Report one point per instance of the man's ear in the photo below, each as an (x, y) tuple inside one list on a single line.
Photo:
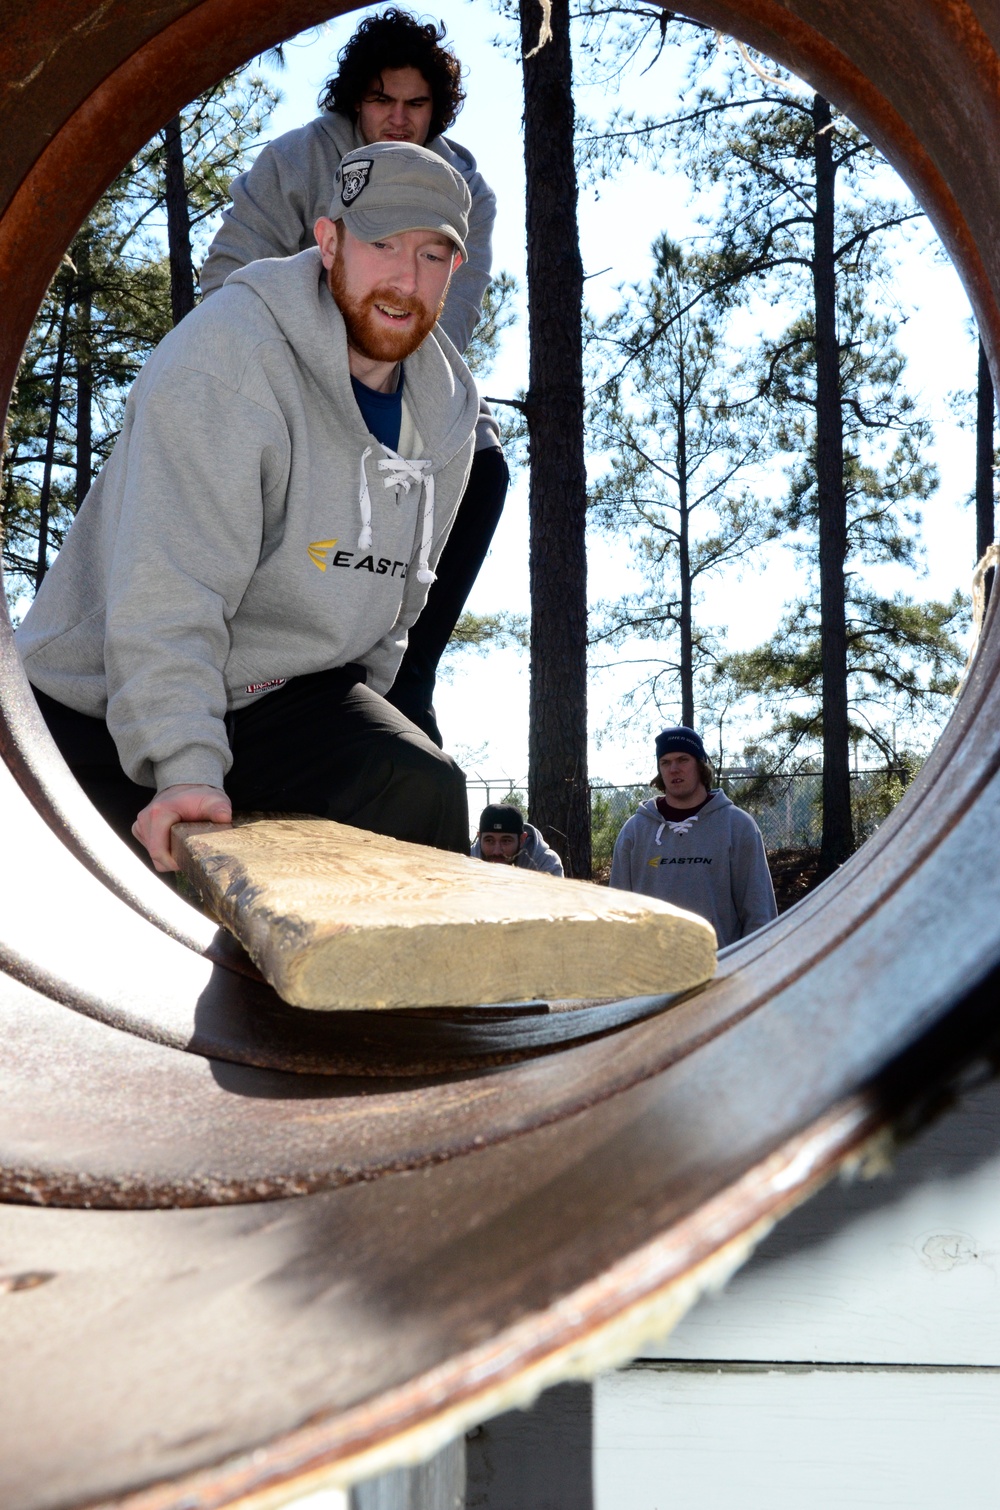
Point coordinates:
[(457, 260), (327, 233)]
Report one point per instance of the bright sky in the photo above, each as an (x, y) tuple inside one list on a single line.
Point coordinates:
[(482, 706)]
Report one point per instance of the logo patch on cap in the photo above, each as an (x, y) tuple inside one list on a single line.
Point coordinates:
[(355, 179)]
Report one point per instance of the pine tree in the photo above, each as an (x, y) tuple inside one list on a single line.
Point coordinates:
[(36, 500), (184, 172), (679, 450), (113, 299), (802, 221), (558, 790), (985, 490), (800, 211)]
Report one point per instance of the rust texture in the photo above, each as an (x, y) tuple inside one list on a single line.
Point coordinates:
[(391, 1227)]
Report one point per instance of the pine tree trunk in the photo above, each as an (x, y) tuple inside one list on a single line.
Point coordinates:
[(41, 564), (985, 497), (838, 836), (178, 223), (684, 554), (558, 790), (83, 341)]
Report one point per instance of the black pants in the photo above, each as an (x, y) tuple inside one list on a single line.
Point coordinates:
[(322, 744), (475, 524)]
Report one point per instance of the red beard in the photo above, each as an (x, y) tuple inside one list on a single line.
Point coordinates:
[(366, 332)]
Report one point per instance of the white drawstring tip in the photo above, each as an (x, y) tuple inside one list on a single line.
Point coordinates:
[(426, 575), (365, 539)]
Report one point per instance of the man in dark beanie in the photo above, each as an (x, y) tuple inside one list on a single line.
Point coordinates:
[(505, 839), (691, 846)]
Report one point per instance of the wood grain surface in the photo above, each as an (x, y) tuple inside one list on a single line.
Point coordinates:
[(336, 917)]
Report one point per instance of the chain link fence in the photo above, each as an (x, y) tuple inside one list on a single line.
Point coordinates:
[(788, 809)]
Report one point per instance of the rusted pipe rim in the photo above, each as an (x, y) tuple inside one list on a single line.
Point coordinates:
[(500, 1244)]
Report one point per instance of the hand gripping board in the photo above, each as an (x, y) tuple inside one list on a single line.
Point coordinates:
[(339, 918)]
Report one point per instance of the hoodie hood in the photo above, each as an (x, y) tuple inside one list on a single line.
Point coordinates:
[(535, 854), (440, 389), (440, 392)]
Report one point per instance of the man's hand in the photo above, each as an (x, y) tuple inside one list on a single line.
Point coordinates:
[(186, 803)]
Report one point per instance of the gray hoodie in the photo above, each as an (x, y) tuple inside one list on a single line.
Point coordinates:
[(276, 204), (712, 864), (247, 528), (534, 854)]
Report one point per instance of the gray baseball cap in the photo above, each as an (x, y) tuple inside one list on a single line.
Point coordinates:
[(389, 187)]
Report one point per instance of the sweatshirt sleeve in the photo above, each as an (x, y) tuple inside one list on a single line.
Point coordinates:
[(750, 878), (269, 217), (187, 544), (621, 860), (468, 286)]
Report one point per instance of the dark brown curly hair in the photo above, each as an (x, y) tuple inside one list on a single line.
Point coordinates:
[(395, 39)]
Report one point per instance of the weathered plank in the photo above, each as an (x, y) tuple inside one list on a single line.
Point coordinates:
[(336, 917)]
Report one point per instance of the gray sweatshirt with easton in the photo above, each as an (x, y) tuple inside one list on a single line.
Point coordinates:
[(247, 528), (712, 864), (276, 204)]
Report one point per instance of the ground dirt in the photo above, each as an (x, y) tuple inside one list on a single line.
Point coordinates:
[(794, 873)]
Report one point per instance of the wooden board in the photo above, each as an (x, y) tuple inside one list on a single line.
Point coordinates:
[(336, 917)]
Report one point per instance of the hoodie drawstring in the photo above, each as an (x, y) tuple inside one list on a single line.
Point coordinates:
[(659, 831), (365, 505), (682, 827), (402, 473)]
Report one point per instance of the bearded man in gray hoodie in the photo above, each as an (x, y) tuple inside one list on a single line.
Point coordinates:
[(396, 82), (693, 847), (234, 597)]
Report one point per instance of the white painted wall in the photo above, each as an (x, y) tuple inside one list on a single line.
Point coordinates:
[(855, 1360), (782, 1439), (902, 1269)]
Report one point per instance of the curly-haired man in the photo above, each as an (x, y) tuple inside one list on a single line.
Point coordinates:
[(389, 43), (396, 82)]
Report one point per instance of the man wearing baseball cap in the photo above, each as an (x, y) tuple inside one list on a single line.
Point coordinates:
[(233, 599), (693, 847), (397, 80), (504, 838)]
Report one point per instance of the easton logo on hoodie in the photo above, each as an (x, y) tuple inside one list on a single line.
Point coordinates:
[(381, 566), (318, 550), (679, 860)]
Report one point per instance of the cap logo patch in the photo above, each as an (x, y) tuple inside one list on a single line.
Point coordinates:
[(355, 178)]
